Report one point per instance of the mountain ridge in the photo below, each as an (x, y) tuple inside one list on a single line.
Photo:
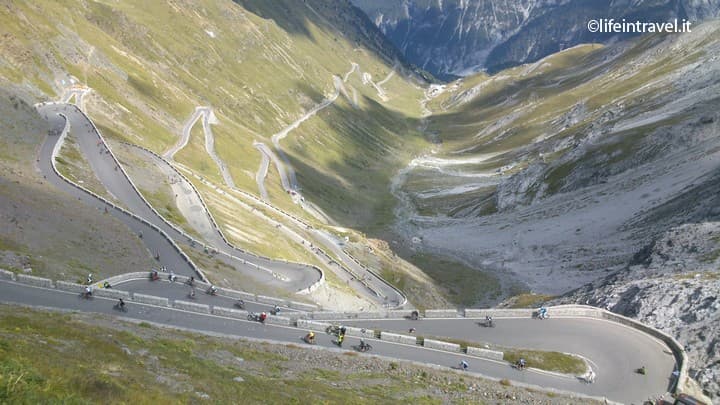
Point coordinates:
[(455, 37)]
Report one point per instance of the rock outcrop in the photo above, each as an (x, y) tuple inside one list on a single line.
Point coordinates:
[(459, 37), (673, 285)]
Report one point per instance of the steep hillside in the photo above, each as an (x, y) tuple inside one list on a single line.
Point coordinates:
[(91, 358), (260, 66), (313, 81), (553, 173), (456, 37), (43, 232), (672, 284)]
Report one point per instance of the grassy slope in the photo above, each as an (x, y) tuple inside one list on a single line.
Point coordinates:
[(43, 229), (80, 358), (73, 165), (265, 66)]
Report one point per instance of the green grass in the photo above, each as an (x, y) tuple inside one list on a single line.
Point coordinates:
[(72, 164), (549, 361), (528, 300), (50, 358), (164, 203), (543, 360), (465, 286), (77, 359)]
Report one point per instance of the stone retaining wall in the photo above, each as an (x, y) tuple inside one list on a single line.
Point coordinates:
[(138, 275), (72, 287), (348, 315), (238, 295), (575, 310), (111, 293), (485, 353), (326, 315), (230, 313), (441, 313), (294, 316), (36, 281), (499, 313), (7, 275), (359, 332), (440, 345), (191, 306), (398, 313), (151, 299), (312, 325), (277, 320), (394, 337)]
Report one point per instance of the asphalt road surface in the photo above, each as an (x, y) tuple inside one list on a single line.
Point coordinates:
[(613, 349)]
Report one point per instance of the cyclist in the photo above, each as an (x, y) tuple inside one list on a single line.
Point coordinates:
[(521, 363)]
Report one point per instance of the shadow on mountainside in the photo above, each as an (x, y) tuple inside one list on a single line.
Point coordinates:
[(288, 15), (370, 141)]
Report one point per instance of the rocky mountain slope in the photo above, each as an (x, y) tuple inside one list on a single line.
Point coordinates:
[(458, 37), (555, 173), (674, 285)]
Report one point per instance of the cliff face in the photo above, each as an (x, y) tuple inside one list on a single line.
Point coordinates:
[(458, 37), (673, 285)]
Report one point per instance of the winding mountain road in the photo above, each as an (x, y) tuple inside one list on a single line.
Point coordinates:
[(208, 118), (262, 171), (613, 350), (289, 276)]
